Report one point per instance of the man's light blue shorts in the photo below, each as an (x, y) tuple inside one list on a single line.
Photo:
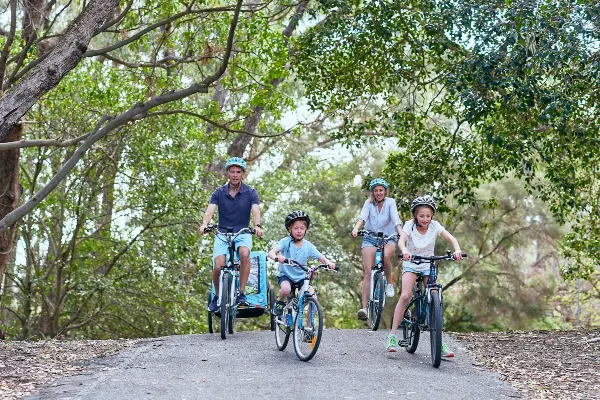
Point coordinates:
[(221, 247)]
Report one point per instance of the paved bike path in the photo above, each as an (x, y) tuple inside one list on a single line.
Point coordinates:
[(350, 364)]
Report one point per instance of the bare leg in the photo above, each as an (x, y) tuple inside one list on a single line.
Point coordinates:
[(408, 281), (216, 274), (244, 267), (284, 290), (368, 256), (390, 249)]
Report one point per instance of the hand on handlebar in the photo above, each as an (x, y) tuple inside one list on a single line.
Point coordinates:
[(204, 228), (258, 231), (458, 255), (406, 256), (331, 265), (280, 258), (354, 233)]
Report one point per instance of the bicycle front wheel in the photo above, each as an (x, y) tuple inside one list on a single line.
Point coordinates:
[(211, 317), (410, 327), (435, 328), (232, 311), (378, 301), (308, 328), (224, 304)]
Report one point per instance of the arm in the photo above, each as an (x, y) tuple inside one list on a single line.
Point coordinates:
[(256, 219), (358, 225), (452, 240), (364, 214), (208, 214), (395, 217), (273, 254), (402, 246), (323, 260)]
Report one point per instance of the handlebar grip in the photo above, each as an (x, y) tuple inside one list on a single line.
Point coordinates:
[(464, 255)]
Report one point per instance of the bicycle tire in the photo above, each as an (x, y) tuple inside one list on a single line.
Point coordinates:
[(282, 333), (435, 328), (211, 317), (271, 295), (412, 332), (224, 304), (232, 312), (307, 338), (378, 302)]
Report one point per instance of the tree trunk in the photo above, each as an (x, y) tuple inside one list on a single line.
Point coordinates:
[(10, 193), (63, 58)]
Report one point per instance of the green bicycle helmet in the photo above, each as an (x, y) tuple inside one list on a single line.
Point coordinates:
[(236, 161), (377, 182)]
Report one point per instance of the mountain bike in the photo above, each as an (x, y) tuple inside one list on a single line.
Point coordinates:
[(378, 281), (229, 283), (425, 310), (303, 315)]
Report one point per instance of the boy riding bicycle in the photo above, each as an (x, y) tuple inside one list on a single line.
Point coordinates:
[(294, 247), (235, 201), (418, 238)]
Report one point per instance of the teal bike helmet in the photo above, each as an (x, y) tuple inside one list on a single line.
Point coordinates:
[(236, 161), (377, 182)]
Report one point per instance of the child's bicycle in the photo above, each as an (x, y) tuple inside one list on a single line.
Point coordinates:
[(378, 282), (304, 315), (229, 286), (425, 310)]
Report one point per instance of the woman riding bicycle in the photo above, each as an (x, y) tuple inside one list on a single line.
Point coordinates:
[(418, 238), (379, 214)]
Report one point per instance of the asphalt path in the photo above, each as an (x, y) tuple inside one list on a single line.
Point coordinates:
[(350, 364)]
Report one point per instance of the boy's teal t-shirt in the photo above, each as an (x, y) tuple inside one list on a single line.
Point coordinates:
[(301, 254)]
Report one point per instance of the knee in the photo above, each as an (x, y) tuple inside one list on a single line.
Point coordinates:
[(244, 253), (404, 297), (284, 291)]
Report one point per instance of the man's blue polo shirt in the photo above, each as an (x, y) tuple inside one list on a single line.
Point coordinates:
[(234, 212)]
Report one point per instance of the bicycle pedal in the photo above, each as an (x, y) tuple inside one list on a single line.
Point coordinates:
[(403, 343)]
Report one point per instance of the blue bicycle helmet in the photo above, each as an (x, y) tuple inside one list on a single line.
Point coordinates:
[(377, 182), (236, 161)]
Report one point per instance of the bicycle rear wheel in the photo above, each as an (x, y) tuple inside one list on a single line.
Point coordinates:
[(308, 328), (378, 301), (282, 332), (435, 328), (224, 304), (410, 329), (211, 317)]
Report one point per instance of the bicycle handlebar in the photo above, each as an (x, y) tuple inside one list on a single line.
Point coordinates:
[(295, 263), (212, 228), (365, 232), (422, 259)]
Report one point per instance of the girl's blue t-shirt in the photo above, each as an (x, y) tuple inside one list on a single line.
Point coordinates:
[(301, 254)]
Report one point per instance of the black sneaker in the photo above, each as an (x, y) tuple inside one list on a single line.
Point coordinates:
[(278, 310), (241, 299), (212, 307)]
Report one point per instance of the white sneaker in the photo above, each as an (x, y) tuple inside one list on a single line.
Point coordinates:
[(362, 314), (389, 290)]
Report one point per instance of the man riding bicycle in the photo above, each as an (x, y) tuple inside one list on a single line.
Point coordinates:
[(235, 200)]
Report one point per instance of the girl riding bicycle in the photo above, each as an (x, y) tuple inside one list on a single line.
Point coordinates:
[(418, 238), (379, 214), (296, 248)]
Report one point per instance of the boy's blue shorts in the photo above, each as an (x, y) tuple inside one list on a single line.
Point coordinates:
[(221, 247)]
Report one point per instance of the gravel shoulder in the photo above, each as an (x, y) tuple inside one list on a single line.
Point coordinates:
[(533, 365)]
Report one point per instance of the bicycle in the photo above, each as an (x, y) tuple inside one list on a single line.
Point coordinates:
[(425, 310), (229, 284), (378, 282), (307, 336)]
